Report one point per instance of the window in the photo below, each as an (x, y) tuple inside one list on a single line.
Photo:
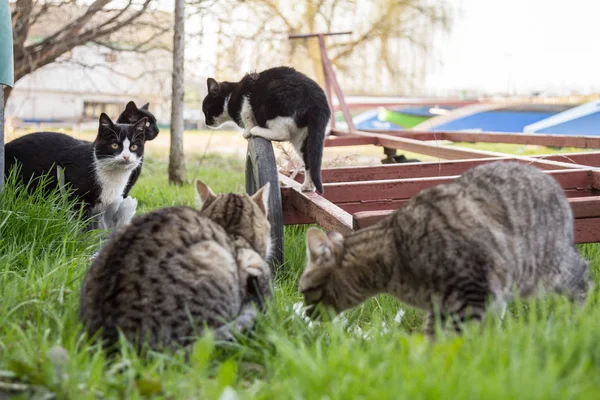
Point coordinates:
[(93, 109)]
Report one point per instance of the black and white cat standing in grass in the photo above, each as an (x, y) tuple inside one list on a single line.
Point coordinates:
[(278, 104), (97, 171)]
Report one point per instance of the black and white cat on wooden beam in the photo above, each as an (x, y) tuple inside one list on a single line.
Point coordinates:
[(278, 104)]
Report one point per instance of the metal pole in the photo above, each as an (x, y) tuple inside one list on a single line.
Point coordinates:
[(330, 78)]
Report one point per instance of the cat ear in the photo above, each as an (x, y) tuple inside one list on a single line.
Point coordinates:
[(335, 238), (317, 244), (261, 197), (105, 122), (213, 86), (140, 128), (145, 106), (131, 107), (204, 191)]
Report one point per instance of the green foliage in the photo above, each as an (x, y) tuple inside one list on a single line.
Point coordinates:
[(543, 349)]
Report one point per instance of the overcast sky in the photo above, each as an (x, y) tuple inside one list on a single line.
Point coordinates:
[(523, 45)]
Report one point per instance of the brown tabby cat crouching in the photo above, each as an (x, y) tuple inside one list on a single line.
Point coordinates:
[(500, 226), (170, 272)]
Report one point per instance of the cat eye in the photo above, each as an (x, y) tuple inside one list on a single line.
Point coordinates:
[(147, 124), (133, 147), (115, 146)]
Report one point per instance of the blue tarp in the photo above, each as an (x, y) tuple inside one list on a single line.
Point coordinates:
[(370, 120), (494, 121), (588, 125)]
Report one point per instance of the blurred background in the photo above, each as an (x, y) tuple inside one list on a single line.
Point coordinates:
[(75, 59)]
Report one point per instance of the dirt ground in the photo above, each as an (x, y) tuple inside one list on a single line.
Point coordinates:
[(198, 143)]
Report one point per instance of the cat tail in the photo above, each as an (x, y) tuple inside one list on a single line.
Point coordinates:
[(315, 139)]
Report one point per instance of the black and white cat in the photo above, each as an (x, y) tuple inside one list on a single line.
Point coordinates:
[(97, 171), (131, 115), (278, 104)]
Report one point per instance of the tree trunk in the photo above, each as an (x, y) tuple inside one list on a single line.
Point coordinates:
[(176, 156)]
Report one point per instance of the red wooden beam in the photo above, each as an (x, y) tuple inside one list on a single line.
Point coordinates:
[(335, 141), (578, 179), (291, 216), (585, 209), (311, 35), (401, 171), (404, 134), (585, 158), (586, 230), (314, 206), (421, 169), (454, 153), (584, 142)]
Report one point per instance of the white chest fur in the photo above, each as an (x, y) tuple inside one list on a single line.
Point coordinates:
[(112, 179), (112, 184), (247, 115)]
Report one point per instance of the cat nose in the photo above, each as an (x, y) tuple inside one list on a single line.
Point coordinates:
[(126, 158)]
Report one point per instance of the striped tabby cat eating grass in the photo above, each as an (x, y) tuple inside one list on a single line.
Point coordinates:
[(500, 226), (172, 271)]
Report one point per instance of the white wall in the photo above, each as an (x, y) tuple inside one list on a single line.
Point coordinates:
[(58, 91)]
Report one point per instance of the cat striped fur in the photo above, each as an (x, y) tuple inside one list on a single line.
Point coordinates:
[(172, 271), (500, 229)]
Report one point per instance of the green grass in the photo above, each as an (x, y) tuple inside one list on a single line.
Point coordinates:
[(543, 349)]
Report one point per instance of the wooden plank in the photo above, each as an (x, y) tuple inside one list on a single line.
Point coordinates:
[(585, 210), (401, 171), (363, 219), (338, 141), (291, 216), (453, 152), (424, 136), (595, 179), (587, 230), (406, 188), (583, 207), (586, 207), (316, 207), (585, 158), (404, 134), (330, 73), (584, 142), (312, 35)]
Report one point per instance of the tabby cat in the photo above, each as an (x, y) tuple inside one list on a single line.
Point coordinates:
[(163, 277), (498, 227), (279, 104)]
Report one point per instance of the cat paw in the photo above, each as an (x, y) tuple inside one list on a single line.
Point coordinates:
[(246, 133), (93, 257), (308, 187), (126, 211)]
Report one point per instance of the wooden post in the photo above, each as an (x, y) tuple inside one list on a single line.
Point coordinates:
[(330, 78), (327, 79)]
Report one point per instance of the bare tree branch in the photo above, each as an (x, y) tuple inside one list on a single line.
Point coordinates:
[(83, 28)]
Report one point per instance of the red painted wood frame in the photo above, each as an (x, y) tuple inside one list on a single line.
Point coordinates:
[(356, 197)]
